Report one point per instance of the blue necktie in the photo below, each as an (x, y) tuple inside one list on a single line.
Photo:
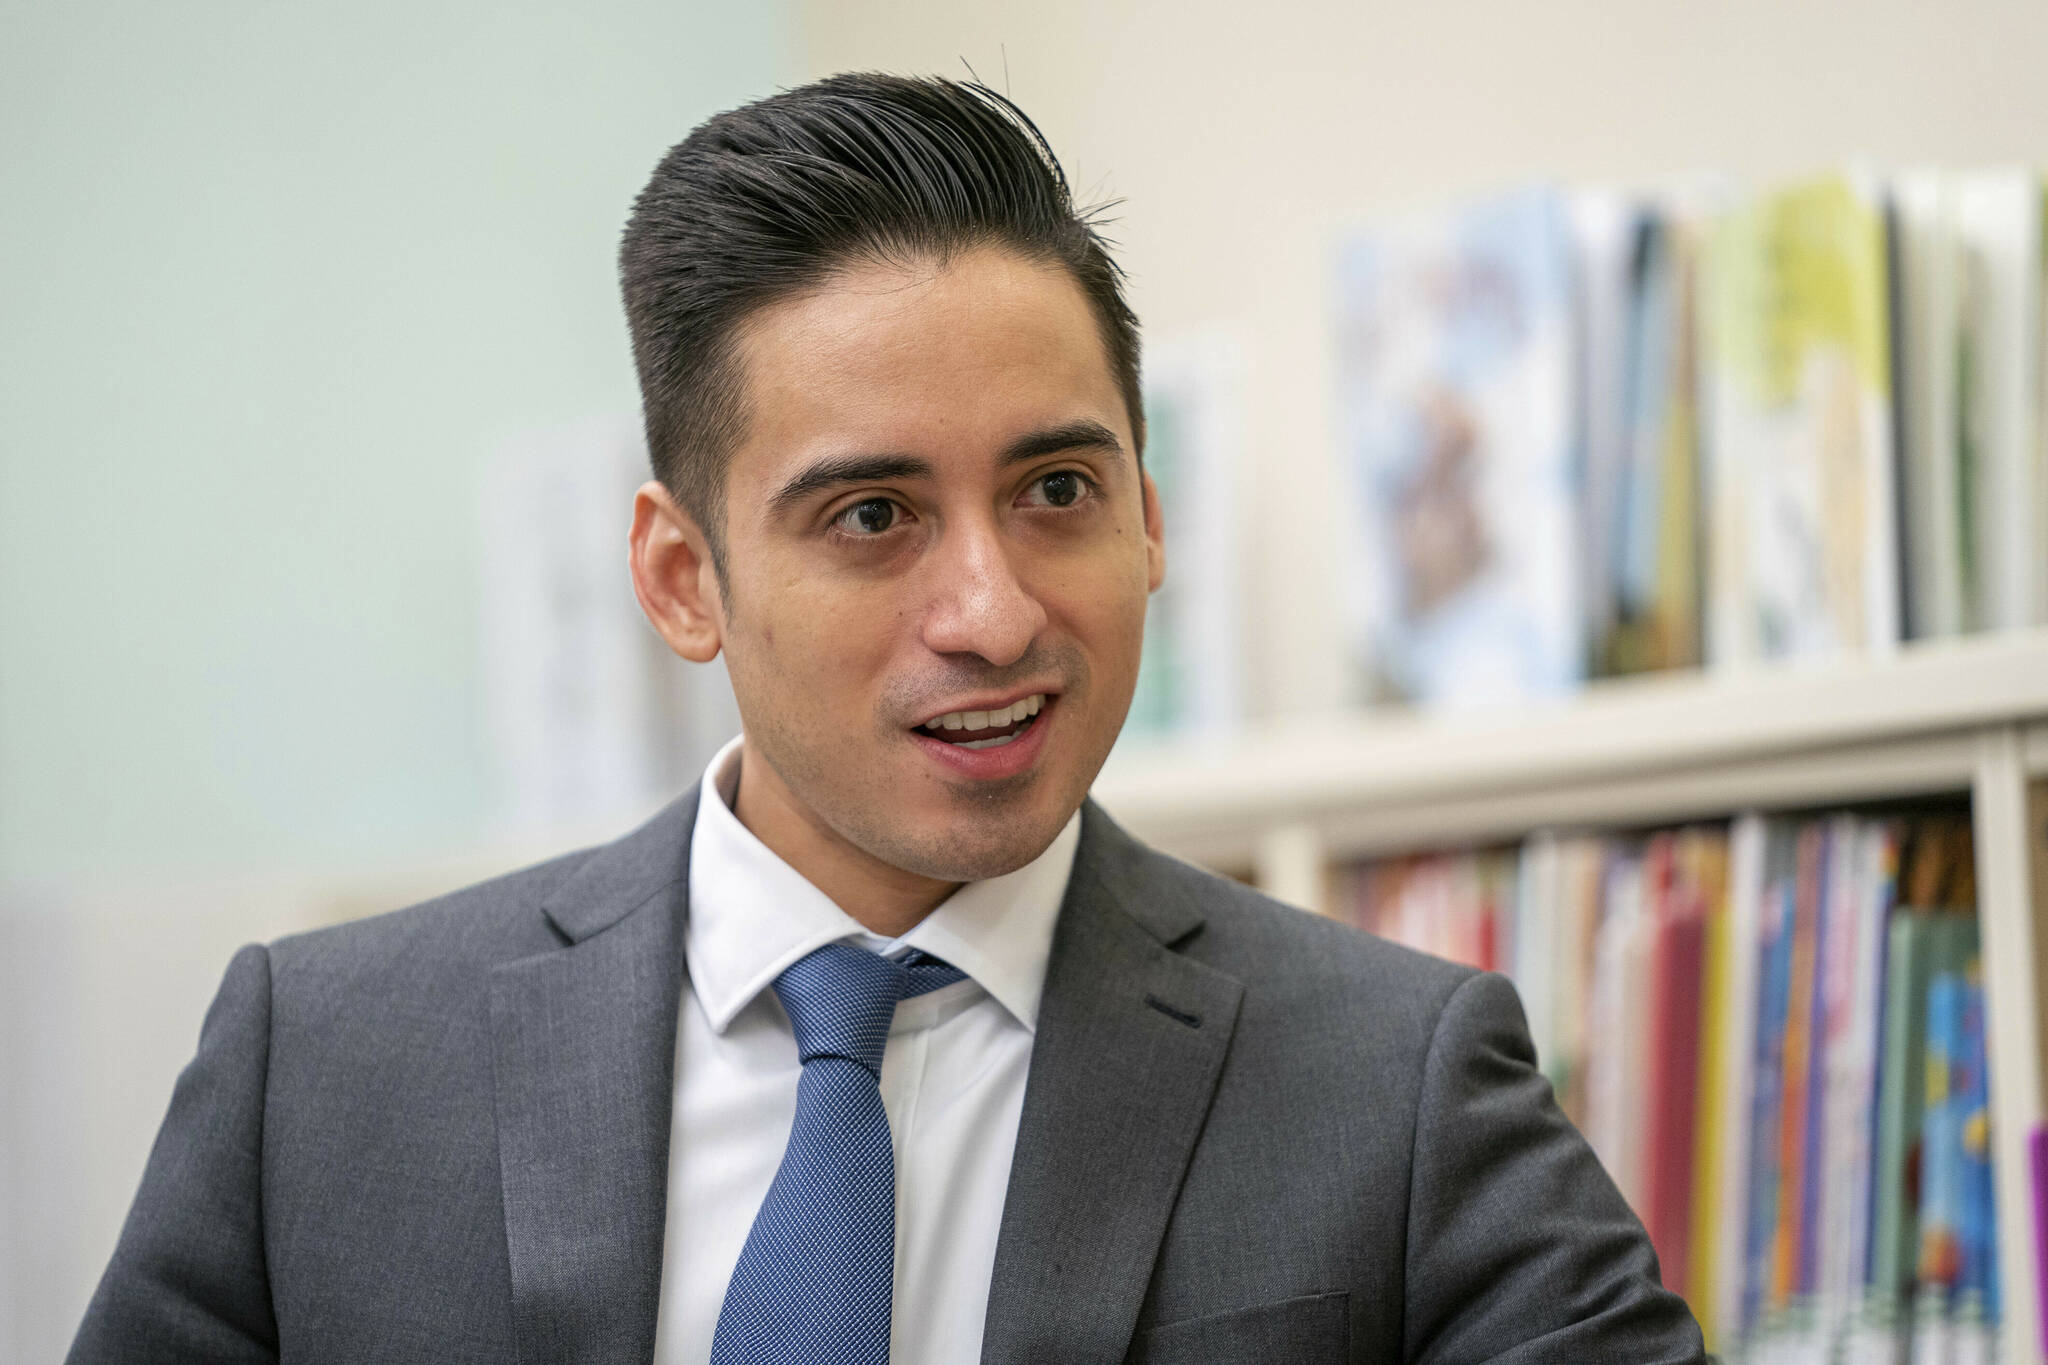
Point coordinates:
[(815, 1277)]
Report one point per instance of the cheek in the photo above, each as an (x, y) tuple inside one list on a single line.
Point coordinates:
[(1105, 604), (827, 646)]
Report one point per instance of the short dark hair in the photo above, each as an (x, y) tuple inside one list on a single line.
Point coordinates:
[(765, 201)]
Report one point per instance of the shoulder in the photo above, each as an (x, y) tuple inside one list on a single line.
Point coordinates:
[(427, 947), (517, 914)]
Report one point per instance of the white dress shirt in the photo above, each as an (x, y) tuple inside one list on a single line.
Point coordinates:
[(952, 1076)]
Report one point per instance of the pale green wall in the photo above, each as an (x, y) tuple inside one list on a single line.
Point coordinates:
[(275, 280)]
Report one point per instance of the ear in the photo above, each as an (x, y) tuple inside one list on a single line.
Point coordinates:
[(1155, 536), (673, 575)]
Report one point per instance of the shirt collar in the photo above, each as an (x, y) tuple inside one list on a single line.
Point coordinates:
[(752, 915)]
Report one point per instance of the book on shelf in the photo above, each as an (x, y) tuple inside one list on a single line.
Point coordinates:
[(1998, 221), (1955, 1276), (1591, 432), (1802, 557), (1935, 517), (1771, 1031), (1640, 430), (1455, 374), (2037, 1171)]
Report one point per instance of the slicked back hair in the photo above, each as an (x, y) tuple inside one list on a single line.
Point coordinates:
[(767, 201)]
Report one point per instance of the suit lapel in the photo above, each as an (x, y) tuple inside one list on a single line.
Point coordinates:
[(1130, 1042), (584, 1051)]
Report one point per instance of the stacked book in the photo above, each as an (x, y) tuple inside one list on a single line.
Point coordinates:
[(1593, 433), (1772, 1031)]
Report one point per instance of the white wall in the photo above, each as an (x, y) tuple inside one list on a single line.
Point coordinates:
[(1240, 136), (278, 280)]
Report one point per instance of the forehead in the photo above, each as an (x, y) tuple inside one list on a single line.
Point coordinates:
[(947, 361)]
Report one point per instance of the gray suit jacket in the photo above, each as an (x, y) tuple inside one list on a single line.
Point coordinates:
[(1249, 1134)]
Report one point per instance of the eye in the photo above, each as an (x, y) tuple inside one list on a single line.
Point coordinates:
[(1062, 487), (869, 517)]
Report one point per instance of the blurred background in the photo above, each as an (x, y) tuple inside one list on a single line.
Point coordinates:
[(1492, 349)]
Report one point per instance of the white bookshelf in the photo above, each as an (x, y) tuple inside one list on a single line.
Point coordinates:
[(1965, 717)]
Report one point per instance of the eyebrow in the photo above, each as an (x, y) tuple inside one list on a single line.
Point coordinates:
[(846, 469), (840, 470), (1075, 435)]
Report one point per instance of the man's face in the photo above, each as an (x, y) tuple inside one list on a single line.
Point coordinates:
[(937, 514)]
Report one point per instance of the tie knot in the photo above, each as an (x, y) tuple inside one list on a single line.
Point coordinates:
[(842, 998)]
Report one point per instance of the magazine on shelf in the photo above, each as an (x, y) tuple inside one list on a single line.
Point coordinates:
[(1644, 494), (1934, 519), (1604, 225), (1456, 385), (1998, 223), (1802, 554)]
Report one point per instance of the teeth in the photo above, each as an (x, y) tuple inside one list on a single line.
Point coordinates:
[(989, 720), (995, 743)]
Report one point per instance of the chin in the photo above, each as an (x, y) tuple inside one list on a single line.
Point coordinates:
[(970, 847)]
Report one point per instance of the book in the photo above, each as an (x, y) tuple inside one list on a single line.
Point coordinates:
[(2037, 1170), (1676, 952), (1618, 1016), (1924, 944), (1956, 1308), (1859, 903), (1534, 964), (1455, 381), (1726, 1176), (1651, 581), (1765, 1204), (1928, 341), (1998, 225), (1603, 226), (1803, 554), (1581, 878), (1792, 1250), (1779, 1062), (1706, 852)]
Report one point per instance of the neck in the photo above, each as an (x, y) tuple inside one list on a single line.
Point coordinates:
[(883, 898)]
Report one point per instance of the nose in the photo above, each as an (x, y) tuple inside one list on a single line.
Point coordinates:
[(980, 604)]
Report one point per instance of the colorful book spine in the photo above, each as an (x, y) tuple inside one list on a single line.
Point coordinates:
[(1712, 1138), (1729, 1318), (1782, 1067), (1956, 1309), (1774, 990), (1673, 1082), (1795, 1145), (2037, 1166)]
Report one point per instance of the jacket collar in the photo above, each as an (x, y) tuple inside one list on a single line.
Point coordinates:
[(1130, 1043), (618, 878), (583, 1062)]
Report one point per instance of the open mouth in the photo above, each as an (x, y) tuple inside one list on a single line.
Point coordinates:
[(987, 729)]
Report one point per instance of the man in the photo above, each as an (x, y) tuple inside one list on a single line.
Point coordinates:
[(884, 1043)]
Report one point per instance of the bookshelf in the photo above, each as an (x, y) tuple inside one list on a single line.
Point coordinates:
[(1962, 716)]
